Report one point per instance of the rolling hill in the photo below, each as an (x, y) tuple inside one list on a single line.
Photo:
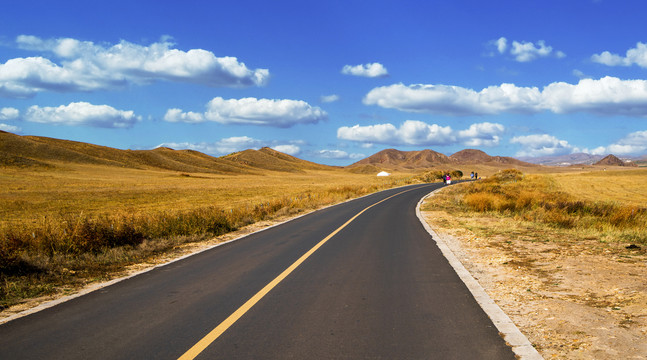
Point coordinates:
[(35, 151), (424, 159), (270, 159), (612, 160)]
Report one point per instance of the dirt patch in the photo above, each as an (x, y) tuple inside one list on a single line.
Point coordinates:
[(572, 300)]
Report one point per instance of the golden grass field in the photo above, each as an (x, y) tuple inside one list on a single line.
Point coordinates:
[(64, 226), (621, 186), (30, 194), (67, 223)]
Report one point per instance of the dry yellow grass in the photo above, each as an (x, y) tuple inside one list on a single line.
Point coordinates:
[(563, 254), (94, 190), (622, 186), (64, 225)]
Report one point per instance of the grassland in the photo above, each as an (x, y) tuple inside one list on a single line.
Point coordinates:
[(609, 206), (61, 227), (564, 255)]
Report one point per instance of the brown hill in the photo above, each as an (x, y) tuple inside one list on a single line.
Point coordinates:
[(270, 159), (472, 156), (394, 159), (30, 151), (612, 160)]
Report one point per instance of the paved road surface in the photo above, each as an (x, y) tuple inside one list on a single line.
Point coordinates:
[(377, 289)]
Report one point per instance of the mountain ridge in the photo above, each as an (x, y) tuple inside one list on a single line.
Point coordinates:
[(397, 159)]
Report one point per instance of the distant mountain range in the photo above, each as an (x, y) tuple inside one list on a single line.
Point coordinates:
[(574, 159), (35, 151), (407, 160)]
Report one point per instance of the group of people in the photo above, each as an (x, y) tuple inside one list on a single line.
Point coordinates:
[(447, 179)]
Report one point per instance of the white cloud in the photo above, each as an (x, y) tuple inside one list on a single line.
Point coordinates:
[(606, 96), (177, 115), (542, 145), (455, 100), (86, 66), (525, 51), (411, 132), (501, 44), (333, 154), (483, 134), (367, 70), (233, 144), (633, 144), (338, 155), (637, 55), (329, 98), (10, 128), (82, 113), (221, 147), (289, 149), (9, 113), (252, 111)]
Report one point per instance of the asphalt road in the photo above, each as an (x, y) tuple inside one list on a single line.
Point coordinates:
[(379, 288)]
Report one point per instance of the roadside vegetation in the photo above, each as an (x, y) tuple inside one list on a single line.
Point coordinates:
[(541, 200), (563, 254), (61, 229)]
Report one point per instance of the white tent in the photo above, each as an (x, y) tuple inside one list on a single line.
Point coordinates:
[(383, 173)]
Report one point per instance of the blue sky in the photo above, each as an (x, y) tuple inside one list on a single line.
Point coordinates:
[(331, 82)]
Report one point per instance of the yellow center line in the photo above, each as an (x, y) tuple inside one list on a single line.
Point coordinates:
[(228, 322)]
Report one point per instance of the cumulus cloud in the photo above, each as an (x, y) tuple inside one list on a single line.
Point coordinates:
[(329, 98), (10, 128), (542, 145), (177, 115), (82, 113), (251, 111), (338, 154), (86, 66), (411, 132), (9, 113), (267, 112), (524, 51), (455, 100), (501, 44), (606, 96), (637, 55), (233, 144), (289, 149), (221, 147), (366, 70), (483, 134), (633, 144)]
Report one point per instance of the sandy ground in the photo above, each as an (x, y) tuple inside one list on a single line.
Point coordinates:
[(572, 301)]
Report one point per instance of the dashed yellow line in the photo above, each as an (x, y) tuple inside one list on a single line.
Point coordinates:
[(229, 321)]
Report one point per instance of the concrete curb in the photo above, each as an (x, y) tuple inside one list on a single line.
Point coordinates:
[(520, 345)]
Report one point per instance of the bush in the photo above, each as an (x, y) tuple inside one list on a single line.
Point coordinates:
[(533, 198)]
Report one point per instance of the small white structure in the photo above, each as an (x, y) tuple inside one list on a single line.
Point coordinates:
[(383, 173)]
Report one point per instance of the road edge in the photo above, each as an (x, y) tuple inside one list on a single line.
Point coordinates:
[(519, 343)]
